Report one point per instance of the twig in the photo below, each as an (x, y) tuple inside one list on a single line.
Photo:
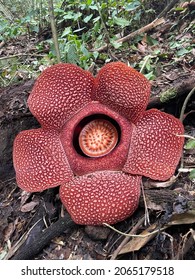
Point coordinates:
[(144, 29), (54, 31), (30, 250), (168, 8), (185, 104), (21, 54), (103, 23), (187, 244), (171, 241), (185, 170), (134, 235), (181, 119), (147, 218), (126, 239), (186, 136)]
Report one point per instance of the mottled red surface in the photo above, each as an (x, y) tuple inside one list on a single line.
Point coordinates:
[(105, 189)]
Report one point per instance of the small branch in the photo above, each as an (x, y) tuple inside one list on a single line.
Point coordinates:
[(144, 29), (127, 238), (21, 54), (30, 250), (147, 217), (185, 104), (181, 119), (135, 235), (179, 89), (168, 8), (54, 32), (188, 242), (103, 23)]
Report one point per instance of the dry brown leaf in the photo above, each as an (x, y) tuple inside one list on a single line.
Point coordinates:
[(10, 229), (137, 243), (193, 233), (156, 184), (29, 206), (24, 196), (183, 218), (142, 47)]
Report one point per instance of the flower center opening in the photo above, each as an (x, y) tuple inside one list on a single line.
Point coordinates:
[(98, 138)]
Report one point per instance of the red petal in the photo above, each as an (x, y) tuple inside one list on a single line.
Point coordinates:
[(101, 197), (123, 89), (39, 160), (58, 93), (155, 148)]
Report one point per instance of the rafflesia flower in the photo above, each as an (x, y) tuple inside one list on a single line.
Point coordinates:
[(96, 141)]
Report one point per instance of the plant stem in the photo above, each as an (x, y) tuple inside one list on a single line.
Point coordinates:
[(54, 31), (103, 23), (185, 104), (181, 119)]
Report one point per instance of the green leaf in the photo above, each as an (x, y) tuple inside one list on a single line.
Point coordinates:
[(84, 51), (89, 2), (66, 31), (192, 174), (152, 41), (87, 18), (174, 45), (182, 51), (95, 54), (71, 15), (121, 21), (72, 55), (190, 144), (115, 44), (150, 76), (79, 30), (96, 19), (132, 6)]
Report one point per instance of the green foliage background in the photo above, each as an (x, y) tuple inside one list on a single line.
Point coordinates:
[(83, 27)]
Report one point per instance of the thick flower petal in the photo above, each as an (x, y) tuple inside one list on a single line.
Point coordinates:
[(58, 93), (123, 89), (155, 147), (39, 160), (101, 197)]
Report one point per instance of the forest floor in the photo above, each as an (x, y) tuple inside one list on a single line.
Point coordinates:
[(170, 205)]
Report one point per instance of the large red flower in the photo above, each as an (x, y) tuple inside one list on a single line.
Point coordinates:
[(96, 141)]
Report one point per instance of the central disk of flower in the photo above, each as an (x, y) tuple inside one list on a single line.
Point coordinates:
[(98, 138)]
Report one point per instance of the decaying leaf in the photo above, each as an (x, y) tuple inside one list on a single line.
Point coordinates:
[(183, 218), (136, 243), (29, 206)]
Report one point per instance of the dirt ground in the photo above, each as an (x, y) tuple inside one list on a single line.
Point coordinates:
[(170, 211)]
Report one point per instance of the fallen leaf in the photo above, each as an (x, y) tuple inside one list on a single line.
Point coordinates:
[(29, 206), (136, 243), (139, 241), (183, 218), (24, 196)]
